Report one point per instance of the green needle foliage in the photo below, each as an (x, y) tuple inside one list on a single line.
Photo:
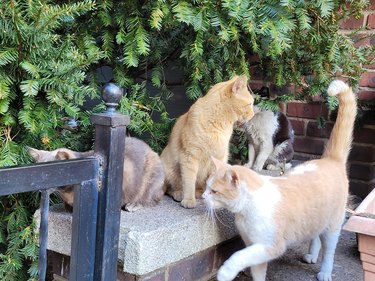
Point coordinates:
[(296, 42), (50, 53), (42, 81)]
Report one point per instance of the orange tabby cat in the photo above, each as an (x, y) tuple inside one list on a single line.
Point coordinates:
[(308, 202), (203, 131)]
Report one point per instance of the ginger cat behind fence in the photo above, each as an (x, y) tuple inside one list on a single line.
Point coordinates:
[(143, 173), (203, 131), (308, 202)]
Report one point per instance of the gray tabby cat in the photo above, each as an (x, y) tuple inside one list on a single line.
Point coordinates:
[(143, 173), (270, 137)]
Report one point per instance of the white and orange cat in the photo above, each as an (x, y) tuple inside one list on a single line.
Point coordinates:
[(307, 203), (203, 131)]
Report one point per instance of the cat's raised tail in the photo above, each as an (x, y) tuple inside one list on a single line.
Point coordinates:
[(339, 143)]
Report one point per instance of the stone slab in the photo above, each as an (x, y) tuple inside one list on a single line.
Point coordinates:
[(153, 237)]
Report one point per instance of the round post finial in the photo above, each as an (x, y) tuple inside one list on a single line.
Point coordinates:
[(111, 95)]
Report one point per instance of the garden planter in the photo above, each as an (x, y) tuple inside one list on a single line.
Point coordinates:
[(363, 223)]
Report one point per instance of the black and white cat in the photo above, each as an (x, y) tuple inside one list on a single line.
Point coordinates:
[(270, 136)]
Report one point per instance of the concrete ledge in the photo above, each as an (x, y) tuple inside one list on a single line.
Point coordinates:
[(152, 238)]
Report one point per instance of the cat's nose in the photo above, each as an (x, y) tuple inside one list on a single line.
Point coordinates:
[(204, 195)]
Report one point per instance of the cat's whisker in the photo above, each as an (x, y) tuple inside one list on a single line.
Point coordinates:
[(218, 219), (210, 217), (206, 217)]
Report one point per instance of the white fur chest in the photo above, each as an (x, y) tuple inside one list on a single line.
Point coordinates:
[(262, 125), (255, 222)]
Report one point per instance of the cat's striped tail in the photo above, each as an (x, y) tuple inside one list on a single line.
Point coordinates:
[(339, 143)]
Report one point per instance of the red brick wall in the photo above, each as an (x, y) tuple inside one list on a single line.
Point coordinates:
[(310, 140)]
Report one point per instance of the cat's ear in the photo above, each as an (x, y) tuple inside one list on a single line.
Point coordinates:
[(63, 155), (217, 162), (239, 84), (34, 153), (232, 177)]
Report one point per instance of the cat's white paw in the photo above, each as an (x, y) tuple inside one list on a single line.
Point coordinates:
[(308, 258), (257, 168), (324, 276), (189, 203), (225, 273), (288, 166), (132, 207), (248, 165), (272, 167)]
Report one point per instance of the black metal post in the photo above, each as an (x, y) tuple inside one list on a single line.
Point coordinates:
[(110, 128), (85, 208)]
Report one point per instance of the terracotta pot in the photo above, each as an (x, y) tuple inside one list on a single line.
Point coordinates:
[(363, 223)]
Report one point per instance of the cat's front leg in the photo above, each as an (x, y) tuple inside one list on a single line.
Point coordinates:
[(258, 272), (314, 249), (281, 154), (251, 153), (132, 207), (329, 241), (177, 195), (255, 255), (189, 171), (265, 150)]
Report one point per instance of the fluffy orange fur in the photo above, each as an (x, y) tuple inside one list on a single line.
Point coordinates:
[(203, 131), (308, 202)]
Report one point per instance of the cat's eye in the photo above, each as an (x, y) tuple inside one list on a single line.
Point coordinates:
[(213, 191)]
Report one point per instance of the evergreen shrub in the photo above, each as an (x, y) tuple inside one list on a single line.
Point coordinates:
[(51, 50)]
